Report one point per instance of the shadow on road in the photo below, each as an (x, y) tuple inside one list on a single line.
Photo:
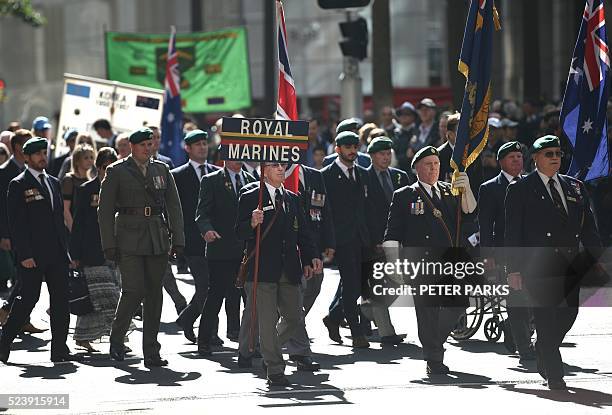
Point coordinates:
[(54, 372), (580, 396)]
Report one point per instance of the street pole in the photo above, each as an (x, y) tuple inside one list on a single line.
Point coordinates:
[(270, 61), (350, 86)]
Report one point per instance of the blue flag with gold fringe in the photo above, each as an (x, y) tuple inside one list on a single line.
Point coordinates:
[(475, 65)]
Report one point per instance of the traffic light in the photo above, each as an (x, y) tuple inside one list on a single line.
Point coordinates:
[(355, 42), (342, 4), (2, 86)]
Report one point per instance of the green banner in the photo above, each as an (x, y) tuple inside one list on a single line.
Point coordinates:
[(214, 66)]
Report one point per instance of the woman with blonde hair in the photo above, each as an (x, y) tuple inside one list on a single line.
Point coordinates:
[(82, 138), (81, 163)]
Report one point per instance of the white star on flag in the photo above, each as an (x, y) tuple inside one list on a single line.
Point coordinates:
[(587, 126)]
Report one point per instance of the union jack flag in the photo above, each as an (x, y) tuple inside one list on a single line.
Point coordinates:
[(583, 114), (172, 117), (286, 107)]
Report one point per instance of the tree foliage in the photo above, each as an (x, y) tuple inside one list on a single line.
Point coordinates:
[(22, 9)]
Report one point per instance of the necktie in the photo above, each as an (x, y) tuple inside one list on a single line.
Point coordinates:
[(238, 183), (386, 184), (557, 197), (278, 201), (45, 190), (203, 170), (350, 172)]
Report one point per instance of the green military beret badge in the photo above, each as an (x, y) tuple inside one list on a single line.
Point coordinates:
[(379, 144), (347, 138), (141, 135), (195, 136), (548, 141), (509, 147), (424, 152), (34, 145)]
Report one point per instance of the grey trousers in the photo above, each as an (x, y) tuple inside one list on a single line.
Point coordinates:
[(273, 299), (299, 344)]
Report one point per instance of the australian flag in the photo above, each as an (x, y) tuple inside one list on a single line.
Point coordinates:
[(583, 115), (172, 117), (475, 65)]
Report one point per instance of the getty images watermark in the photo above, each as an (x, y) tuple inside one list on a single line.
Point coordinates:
[(434, 278)]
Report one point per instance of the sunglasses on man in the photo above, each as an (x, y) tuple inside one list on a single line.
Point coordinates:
[(553, 154)]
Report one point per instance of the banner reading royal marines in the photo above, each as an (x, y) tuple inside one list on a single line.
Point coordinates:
[(260, 139)]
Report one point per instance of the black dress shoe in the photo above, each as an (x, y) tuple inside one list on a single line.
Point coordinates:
[(5, 351), (155, 361), (556, 384), (216, 340), (333, 329), (394, 339), (437, 368), (187, 330), (278, 379), (204, 349), (117, 352), (67, 357), (244, 362), (305, 363)]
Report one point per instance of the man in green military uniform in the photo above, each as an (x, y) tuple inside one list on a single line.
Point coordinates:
[(140, 223)]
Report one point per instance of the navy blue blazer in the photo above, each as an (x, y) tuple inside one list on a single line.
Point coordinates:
[(532, 221), (288, 246), (188, 187), (348, 204), (85, 242), (35, 228), (317, 208), (491, 211), (8, 171)]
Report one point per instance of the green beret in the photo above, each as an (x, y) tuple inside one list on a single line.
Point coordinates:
[(141, 135), (509, 147), (195, 136), (34, 145), (347, 138), (380, 144), (348, 124), (424, 152), (547, 141)]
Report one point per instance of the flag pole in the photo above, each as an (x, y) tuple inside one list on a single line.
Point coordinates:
[(256, 265)]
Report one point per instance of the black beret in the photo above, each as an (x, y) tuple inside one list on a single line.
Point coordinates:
[(547, 141), (195, 136), (141, 135), (509, 147), (380, 144), (34, 145), (347, 138), (424, 152)]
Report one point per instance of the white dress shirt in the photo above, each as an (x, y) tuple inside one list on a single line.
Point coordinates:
[(272, 192)]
